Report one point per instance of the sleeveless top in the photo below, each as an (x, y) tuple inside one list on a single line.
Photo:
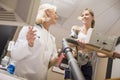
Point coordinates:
[(86, 55)]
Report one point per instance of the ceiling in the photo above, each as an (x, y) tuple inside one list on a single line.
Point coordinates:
[(106, 16)]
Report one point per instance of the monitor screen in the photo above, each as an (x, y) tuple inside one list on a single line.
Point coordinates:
[(6, 34)]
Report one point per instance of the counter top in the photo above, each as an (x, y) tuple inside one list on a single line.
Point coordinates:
[(4, 75)]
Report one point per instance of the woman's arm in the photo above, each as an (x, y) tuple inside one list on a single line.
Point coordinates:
[(101, 55), (115, 55)]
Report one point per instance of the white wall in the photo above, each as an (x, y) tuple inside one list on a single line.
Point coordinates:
[(27, 10), (9, 3), (116, 66)]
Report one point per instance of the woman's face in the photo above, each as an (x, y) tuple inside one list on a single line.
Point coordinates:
[(86, 17), (52, 15)]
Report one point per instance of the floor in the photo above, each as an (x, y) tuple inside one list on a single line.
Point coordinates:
[(52, 75)]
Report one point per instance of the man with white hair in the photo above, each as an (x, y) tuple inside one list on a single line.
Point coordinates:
[(35, 48)]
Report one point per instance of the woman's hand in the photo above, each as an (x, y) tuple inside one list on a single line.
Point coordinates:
[(81, 43), (31, 36), (116, 55)]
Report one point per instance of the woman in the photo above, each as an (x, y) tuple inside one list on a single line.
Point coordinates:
[(80, 33), (35, 48), (86, 57)]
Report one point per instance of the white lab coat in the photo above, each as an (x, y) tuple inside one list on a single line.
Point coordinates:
[(32, 63)]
